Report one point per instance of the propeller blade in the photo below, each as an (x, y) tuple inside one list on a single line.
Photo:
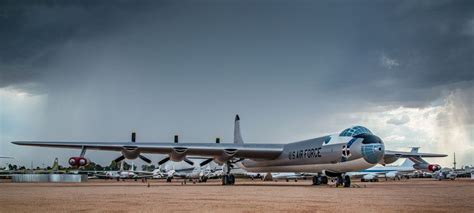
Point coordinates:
[(240, 159), (164, 161), (144, 158), (119, 159), (206, 162), (134, 137), (189, 162)]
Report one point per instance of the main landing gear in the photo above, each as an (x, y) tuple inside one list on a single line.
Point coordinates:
[(344, 181), (341, 180), (318, 180), (228, 179)]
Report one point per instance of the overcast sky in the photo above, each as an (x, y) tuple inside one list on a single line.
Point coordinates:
[(95, 71)]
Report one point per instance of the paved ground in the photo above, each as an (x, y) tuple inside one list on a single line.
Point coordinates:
[(425, 195)]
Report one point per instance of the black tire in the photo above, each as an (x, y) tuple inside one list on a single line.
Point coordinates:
[(339, 181), (324, 180), (316, 180), (231, 180), (227, 180), (347, 181)]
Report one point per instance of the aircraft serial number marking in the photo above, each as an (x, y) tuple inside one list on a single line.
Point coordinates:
[(305, 153)]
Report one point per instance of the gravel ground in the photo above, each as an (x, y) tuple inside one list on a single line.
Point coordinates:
[(415, 195)]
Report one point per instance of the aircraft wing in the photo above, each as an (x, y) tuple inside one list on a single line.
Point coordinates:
[(250, 151), (412, 154)]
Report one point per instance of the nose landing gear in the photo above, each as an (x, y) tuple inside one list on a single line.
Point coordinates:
[(228, 179)]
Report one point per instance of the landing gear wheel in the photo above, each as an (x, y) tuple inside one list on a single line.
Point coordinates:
[(228, 180), (347, 181), (168, 180), (339, 181), (316, 180), (324, 180)]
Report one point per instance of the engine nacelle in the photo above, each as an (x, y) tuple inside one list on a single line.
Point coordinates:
[(427, 167), (78, 161), (178, 154), (130, 153), (226, 155), (369, 177), (434, 167)]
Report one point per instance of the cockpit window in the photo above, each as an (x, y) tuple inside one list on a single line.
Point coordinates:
[(356, 130)]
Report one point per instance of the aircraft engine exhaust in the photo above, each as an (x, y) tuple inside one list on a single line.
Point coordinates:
[(78, 161)]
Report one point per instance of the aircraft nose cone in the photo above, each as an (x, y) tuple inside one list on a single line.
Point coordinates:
[(372, 149)]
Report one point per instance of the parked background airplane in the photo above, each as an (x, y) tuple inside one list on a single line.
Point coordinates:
[(410, 165), (354, 149)]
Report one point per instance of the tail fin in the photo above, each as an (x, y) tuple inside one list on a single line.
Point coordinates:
[(409, 162), (55, 165), (237, 135)]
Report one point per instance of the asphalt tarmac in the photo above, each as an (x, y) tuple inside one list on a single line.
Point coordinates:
[(414, 195)]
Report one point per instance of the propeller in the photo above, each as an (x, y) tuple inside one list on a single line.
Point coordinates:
[(189, 161), (218, 140), (122, 157), (144, 158), (163, 161), (206, 161)]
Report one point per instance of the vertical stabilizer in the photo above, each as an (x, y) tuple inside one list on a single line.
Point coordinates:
[(408, 161), (237, 134)]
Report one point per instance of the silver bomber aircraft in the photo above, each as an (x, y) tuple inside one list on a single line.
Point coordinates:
[(353, 149)]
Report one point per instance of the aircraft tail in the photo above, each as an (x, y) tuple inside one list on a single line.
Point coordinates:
[(55, 165), (237, 134), (409, 162)]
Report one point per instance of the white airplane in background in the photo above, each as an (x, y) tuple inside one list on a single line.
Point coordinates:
[(354, 149), (122, 174), (410, 165), (6, 157), (290, 176)]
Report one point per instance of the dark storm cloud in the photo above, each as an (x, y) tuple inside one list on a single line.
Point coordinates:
[(391, 52), (292, 69), (32, 32)]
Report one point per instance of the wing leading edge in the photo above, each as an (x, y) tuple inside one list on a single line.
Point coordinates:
[(250, 151), (412, 154)]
